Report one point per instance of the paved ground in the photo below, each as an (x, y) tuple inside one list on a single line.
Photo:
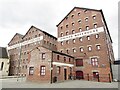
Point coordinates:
[(21, 83)]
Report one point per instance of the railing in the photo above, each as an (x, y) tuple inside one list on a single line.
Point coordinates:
[(90, 77)]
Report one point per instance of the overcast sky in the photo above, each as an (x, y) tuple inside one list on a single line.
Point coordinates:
[(16, 16)]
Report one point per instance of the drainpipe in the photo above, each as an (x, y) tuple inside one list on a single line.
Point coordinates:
[(51, 68)]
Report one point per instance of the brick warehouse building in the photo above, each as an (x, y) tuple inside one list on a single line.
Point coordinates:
[(20, 45), (46, 65), (83, 36)]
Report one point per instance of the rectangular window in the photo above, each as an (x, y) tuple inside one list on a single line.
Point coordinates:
[(97, 36), (42, 70), (73, 31), (87, 27), (94, 61), (79, 62), (58, 57), (2, 64), (73, 40), (81, 39), (67, 51), (98, 47), (58, 69), (31, 70), (95, 74), (81, 49), (74, 50), (89, 48), (64, 59), (73, 24), (43, 56), (88, 38), (67, 26)]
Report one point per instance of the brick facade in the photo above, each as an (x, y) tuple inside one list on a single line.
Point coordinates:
[(83, 46)]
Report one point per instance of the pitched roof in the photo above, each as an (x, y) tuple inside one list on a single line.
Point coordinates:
[(39, 30), (77, 8), (15, 35), (3, 52), (52, 51)]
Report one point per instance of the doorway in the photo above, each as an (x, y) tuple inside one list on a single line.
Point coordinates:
[(65, 74), (79, 74)]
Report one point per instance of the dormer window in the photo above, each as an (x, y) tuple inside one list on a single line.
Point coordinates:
[(78, 13)]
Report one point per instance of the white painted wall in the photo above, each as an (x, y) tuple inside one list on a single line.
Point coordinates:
[(5, 69)]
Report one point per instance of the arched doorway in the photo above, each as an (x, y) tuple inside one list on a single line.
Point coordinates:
[(79, 74)]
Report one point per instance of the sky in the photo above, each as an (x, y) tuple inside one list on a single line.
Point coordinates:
[(17, 16)]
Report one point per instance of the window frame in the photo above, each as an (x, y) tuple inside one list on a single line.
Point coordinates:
[(42, 70)]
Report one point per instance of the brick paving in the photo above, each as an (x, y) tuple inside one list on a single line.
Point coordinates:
[(21, 83)]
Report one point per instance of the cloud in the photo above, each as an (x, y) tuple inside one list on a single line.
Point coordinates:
[(18, 15)]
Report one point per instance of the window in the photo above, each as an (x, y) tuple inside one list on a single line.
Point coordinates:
[(78, 13), (89, 48), (73, 24), (61, 51), (94, 17), (58, 57), (97, 36), (81, 49), (80, 29), (2, 64), (95, 25), (39, 35), (67, 26), (67, 51), (79, 62), (94, 61), (98, 47), (43, 56), (73, 31), (73, 40), (42, 70), (67, 33), (86, 19), (72, 16), (81, 39), (67, 42), (58, 69), (69, 59), (74, 50), (61, 27), (79, 21), (95, 74), (31, 70), (88, 38), (87, 27), (35, 36), (61, 34), (61, 43), (64, 59)]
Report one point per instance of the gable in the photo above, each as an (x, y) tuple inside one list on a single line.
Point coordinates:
[(16, 39), (32, 33), (77, 10)]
